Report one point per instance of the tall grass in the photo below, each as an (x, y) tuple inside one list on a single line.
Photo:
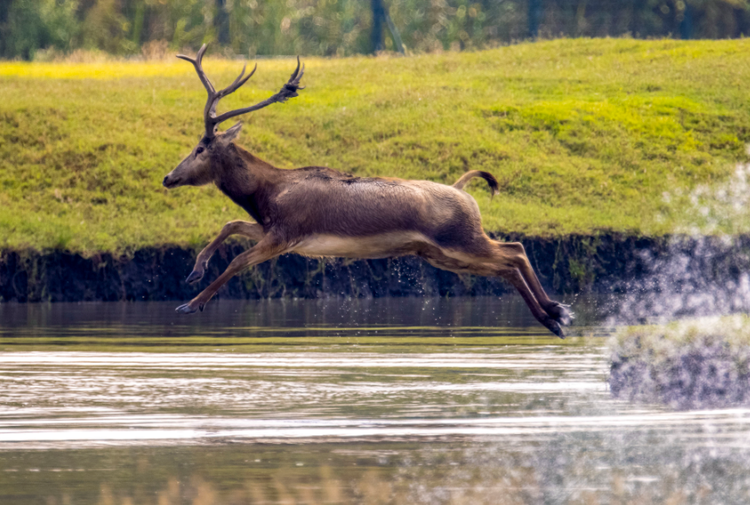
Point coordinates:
[(584, 136)]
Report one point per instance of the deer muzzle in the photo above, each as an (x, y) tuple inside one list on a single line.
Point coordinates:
[(169, 182)]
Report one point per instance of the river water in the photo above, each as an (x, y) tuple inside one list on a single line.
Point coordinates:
[(403, 401)]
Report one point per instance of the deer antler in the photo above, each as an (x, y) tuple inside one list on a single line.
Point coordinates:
[(289, 90)]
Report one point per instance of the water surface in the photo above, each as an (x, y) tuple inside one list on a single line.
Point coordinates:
[(369, 401)]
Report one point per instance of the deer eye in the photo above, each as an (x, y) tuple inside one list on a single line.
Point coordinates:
[(199, 150)]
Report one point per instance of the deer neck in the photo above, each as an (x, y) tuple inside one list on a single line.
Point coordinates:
[(247, 180)]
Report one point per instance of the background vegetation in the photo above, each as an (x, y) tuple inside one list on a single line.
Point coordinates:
[(584, 136), (44, 29)]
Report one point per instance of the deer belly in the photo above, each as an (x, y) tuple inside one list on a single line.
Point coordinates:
[(372, 246)]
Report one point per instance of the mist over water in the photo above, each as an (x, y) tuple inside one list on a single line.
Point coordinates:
[(694, 276)]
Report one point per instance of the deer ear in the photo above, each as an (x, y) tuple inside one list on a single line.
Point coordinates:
[(231, 133)]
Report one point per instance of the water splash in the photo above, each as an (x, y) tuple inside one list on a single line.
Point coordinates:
[(715, 209), (704, 268)]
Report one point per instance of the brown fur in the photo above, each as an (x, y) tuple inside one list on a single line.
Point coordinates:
[(459, 184), (319, 211)]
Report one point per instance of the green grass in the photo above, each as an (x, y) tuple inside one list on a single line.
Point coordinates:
[(585, 136)]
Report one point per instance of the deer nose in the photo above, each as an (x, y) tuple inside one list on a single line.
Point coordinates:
[(164, 182)]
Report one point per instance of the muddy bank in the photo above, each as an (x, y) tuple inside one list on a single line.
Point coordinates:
[(608, 263)]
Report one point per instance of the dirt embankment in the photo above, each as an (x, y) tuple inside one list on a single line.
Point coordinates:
[(608, 263)]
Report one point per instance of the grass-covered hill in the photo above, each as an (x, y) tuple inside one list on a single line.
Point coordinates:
[(584, 136)]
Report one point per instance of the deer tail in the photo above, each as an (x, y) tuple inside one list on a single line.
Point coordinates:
[(494, 188)]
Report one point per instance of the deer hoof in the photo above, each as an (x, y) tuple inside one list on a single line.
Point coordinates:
[(555, 328), (186, 309), (561, 313), (195, 276)]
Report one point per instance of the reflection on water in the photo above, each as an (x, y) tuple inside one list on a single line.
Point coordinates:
[(371, 401)]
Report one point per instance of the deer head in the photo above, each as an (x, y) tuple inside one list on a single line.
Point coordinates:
[(198, 167)]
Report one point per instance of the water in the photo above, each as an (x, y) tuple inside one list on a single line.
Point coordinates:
[(370, 401)]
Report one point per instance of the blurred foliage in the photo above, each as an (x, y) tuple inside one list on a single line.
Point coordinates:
[(583, 136), (48, 28)]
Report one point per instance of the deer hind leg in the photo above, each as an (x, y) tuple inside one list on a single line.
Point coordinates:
[(253, 231), (514, 276), (264, 250), (513, 254), (493, 266)]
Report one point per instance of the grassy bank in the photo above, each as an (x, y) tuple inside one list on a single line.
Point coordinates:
[(695, 363), (583, 135)]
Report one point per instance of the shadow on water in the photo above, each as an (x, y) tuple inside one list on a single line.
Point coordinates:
[(363, 401)]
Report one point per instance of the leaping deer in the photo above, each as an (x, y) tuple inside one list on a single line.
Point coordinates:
[(318, 211)]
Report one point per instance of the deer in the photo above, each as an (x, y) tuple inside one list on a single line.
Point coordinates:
[(317, 211)]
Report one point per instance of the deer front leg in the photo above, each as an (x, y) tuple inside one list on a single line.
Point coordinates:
[(253, 231), (264, 250)]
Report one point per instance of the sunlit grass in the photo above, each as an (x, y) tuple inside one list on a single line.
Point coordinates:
[(583, 135)]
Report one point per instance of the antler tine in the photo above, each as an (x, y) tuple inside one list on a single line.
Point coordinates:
[(294, 74), (300, 77), (289, 90), (198, 64), (210, 108), (202, 74), (234, 86), (237, 82), (297, 76)]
